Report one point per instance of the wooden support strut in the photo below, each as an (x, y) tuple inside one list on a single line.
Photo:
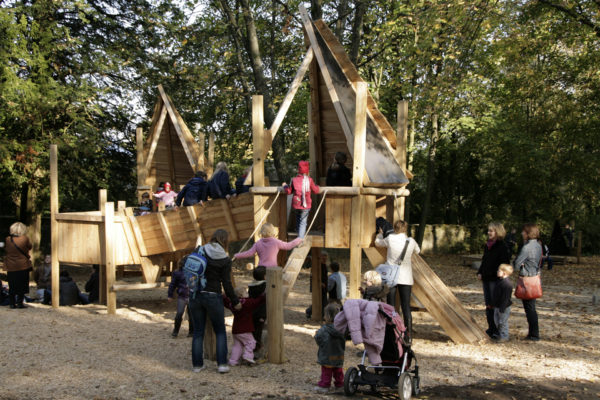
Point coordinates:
[(275, 351), (54, 225)]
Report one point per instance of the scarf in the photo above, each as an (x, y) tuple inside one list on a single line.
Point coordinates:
[(490, 243), (305, 189)]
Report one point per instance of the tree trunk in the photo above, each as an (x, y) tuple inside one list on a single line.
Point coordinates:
[(260, 83), (339, 24), (357, 30), (29, 216), (411, 156), (430, 178), (316, 12)]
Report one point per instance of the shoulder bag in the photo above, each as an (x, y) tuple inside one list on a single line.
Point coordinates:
[(29, 263), (529, 287)]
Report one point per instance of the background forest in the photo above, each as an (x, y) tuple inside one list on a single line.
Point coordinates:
[(504, 96)]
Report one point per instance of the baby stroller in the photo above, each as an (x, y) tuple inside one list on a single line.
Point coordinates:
[(398, 370)]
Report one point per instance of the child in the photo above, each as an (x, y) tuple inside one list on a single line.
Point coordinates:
[(336, 284), (42, 277), (338, 174), (332, 345), (374, 289), (268, 247), (302, 186), (501, 302), (243, 327), (257, 288), (179, 283), (167, 196)]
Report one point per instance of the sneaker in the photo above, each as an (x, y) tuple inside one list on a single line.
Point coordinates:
[(249, 361), (198, 369), (320, 389), (499, 339), (533, 338), (223, 368)]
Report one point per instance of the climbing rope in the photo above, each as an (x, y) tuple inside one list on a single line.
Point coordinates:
[(317, 212), (260, 223)]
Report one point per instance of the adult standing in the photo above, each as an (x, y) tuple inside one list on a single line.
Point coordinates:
[(398, 268), (209, 302), (495, 252), (219, 186), (17, 262), (528, 263)]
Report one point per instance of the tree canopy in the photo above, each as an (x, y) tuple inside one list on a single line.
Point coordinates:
[(503, 95)]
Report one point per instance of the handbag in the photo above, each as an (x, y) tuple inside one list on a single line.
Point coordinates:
[(528, 287), (29, 263)]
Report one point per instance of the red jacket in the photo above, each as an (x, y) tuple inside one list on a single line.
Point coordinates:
[(242, 319), (296, 188)]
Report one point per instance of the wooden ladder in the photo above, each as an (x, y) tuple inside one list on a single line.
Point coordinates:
[(294, 265)]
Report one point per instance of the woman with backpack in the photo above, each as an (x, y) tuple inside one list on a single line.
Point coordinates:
[(208, 302)]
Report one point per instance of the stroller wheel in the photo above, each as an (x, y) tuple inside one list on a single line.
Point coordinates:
[(350, 384), (405, 386)]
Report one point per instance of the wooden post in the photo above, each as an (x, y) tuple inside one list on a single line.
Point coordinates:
[(211, 155), (54, 225), (401, 140), (121, 205), (142, 173), (210, 341), (108, 251), (102, 206), (360, 133), (258, 164), (201, 147), (579, 237), (317, 299), (275, 315)]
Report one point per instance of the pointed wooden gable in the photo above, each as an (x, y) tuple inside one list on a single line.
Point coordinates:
[(333, 108), (170, 153)]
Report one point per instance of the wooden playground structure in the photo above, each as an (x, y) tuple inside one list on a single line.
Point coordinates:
[(342, 117)]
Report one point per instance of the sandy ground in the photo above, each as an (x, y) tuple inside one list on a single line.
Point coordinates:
[(82, 353)]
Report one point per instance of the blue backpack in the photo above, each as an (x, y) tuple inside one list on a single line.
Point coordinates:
[(193, 270)]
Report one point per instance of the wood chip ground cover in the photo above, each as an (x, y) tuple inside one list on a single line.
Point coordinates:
[(80, 352)]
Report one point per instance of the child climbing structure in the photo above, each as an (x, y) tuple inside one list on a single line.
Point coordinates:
[(344, 117)]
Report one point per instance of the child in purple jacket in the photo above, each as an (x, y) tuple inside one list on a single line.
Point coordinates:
[(179, 284)]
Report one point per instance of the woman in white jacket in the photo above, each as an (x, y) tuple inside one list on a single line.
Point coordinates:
[(397, 272)]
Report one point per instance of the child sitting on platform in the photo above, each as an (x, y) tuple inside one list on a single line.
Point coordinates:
[(302, 186), (167, 196), (268, 247), (332, 345), (243, 327)]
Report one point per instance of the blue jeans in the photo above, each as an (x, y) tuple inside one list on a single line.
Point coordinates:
[(488, 291), (501, 320), (211, 305), (301, 218)]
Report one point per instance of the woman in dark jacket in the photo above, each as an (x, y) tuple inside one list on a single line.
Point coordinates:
[(209, 302), (17, 263), (495, 252), (528, 264)]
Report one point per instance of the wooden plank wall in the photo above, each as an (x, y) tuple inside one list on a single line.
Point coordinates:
[(80, 242)]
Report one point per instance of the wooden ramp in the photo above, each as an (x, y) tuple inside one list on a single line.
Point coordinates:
[(294, 265), (438, 299)]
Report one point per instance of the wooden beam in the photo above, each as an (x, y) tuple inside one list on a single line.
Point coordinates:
[(166, 232), (317, 298), (102, 195), (81, 217), (194, 219), (109, 257), (233, 232), (314, 123), (201, 148), (360, 134), (258, 141), (137, 232), (129, 235), (178, 128), (142, 172), (287, 101), (119, 287), (54, 233), (211, 155), (155, 136), (275, 348)]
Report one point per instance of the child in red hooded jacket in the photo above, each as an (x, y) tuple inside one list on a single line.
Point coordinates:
[(302, 186)]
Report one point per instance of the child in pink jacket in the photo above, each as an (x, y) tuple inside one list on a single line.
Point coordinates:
[(302, 186), (168, 196), (268, 247)]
